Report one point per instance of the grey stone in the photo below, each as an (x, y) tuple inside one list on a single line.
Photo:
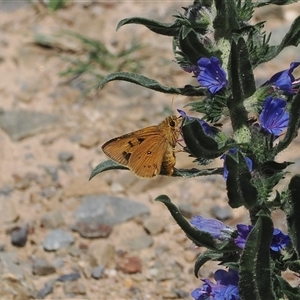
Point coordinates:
[(42, 267), (20, 124), (186, 210), (57, 239), (74, 288), (91, 228), (65, 156), (46, 290), (153, 225), (52, 219), (222, 213), (140, 242), (19, 237), (97, 272), (109, 210), (68, 277)]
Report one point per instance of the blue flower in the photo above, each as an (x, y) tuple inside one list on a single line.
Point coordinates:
[(225, 288), (191, 68), (232, 151), (284, 80), (208, 130), (279, 239), (211, 75), (214, 227), (274, 118)]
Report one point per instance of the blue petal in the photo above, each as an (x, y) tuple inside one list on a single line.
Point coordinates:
[(211, 75)]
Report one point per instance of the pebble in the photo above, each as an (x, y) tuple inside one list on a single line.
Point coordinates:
[(65, 156), (8, 212), (110, 210), (42, 267), (97, 272), (141, 242), (19, 236), (101, 253), (52, 220), (90, 140), (153, 225), (45, 290), (91, 228), (222, 213), (129, 264), (68, 277), (74, 288), (186, 210), (57, 239), (20, 124)]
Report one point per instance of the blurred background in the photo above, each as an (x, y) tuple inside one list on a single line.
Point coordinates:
[(62, 236)]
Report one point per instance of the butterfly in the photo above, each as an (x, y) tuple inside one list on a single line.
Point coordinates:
[(148, 151)]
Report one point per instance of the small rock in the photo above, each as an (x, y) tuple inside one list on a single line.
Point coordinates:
[(68, 277), (74, 288), (19, 124), (6, 190), (90, 140), (75, 251), (65, 156), (153, 225), (140, 242), (49, 192), (52, 220), (91, 228), (21, 183), (186, 210), (129, 264), (8, 212), (42, 267), (222, 213), (190, 256), (46, 290), (57, 239), (97, 272), (101, 253), (181, 294), (19, 237), (110, 210)]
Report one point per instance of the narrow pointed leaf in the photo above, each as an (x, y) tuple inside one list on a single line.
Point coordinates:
[(293, 212), (240, 190), (105, 166), (150, 84), (255, 269), (168, 29), (200, 238)]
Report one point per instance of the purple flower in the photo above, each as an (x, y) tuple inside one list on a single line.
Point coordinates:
[(284, 80), (205, 126), (211, 75), (191, 68), (243, 232), (279, 240), (214, 227), (232, 151), (274, 118), (225, 288)]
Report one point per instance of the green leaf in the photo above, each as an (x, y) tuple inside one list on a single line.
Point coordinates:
[(242, 82), (240, 72), (105, 166), (293, 212), (191, 45), (226, 20), (292, 38), (255, 269), (200, 144), (168, 29), (200, 238), (240, 190), (149, 83), (277, 2)]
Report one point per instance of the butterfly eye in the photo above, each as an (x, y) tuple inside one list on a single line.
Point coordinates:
[(172, 123)]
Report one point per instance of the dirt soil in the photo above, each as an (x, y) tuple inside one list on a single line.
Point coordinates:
[(86, 118)]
